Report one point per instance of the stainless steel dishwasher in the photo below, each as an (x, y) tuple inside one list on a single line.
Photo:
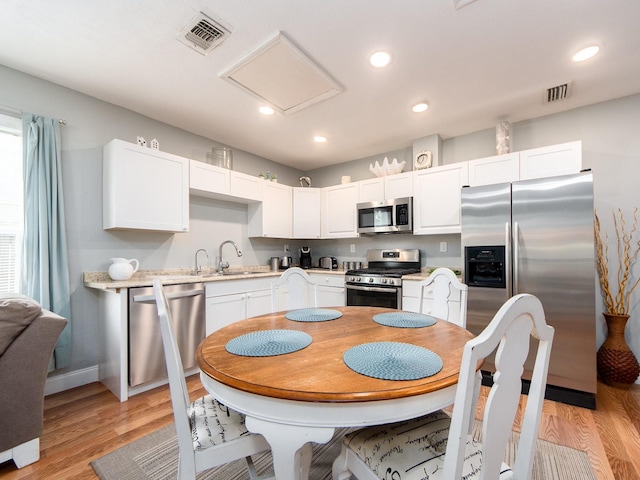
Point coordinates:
[(146, 354)]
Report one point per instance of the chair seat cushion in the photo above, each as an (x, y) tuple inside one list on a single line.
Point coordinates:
[(212, 423), (16, 313), (414, 449)]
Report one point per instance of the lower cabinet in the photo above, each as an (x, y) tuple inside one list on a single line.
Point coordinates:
[(330, 289), (411, 299), (234, 300)]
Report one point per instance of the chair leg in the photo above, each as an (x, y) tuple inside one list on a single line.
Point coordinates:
[(339, 470), (26, 453)]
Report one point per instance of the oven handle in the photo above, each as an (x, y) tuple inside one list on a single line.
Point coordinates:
[(371, 289)]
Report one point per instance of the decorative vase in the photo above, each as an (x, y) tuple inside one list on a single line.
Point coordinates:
[(617, 365)]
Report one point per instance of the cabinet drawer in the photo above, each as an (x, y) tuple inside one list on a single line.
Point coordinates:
[(229, 287), (328, 280)]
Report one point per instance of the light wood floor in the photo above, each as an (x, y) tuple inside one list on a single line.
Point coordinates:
[(87, 422)]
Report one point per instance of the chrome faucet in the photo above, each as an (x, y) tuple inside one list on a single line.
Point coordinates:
[(198, 269), (222, 264)]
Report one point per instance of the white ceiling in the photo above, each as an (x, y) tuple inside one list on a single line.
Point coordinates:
[(475, 66)]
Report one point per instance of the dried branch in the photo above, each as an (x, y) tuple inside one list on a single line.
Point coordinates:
[(627, 249)]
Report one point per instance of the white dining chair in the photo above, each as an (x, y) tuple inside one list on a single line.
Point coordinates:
[(209, 434), (446, 305), (439, 447), (302, 291)]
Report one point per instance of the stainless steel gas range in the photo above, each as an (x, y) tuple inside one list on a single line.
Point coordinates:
[(380, 284)]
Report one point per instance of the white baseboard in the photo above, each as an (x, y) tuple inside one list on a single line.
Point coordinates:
[(66, 381)]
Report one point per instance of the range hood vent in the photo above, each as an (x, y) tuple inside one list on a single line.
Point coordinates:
[(557, 93), (203, 34)]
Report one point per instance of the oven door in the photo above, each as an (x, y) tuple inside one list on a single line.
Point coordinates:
[(365, 296)]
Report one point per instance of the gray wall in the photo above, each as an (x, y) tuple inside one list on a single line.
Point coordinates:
[(610, 148)]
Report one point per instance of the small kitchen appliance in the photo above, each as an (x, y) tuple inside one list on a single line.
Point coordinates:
[(389, 216), (305, 257), (328, 262), (380, 284), (285, 262)]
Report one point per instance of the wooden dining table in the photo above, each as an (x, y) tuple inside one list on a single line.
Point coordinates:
[(301, 397)]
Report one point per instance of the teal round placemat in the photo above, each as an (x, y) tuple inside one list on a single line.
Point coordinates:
[(266, 343), (313, 315), (404, 319), (392, 361)]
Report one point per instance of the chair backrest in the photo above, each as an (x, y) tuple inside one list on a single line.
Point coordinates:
[(442, 282), (177, 383), (298, 283), (509, 332)]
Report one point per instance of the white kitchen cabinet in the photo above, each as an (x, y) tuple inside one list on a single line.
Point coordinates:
[(436, 198), (246, 187), (495, 169), (386, 188), (331, 290), (306, 213), (273, 216), (561, 159), (144, 189), (339, 217), (371, 190), (411, 299), (234, 300), (205, 179)]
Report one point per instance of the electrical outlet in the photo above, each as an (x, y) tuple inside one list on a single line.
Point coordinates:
[(443, 246), (353, 248), (286, 247)]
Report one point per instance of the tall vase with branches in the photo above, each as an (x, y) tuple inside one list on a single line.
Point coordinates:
[(617, 365)]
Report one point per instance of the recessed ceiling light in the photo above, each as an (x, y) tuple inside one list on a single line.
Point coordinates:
[(586, 53), (420, 107), (380, 59), (320, 139), (266, 110)]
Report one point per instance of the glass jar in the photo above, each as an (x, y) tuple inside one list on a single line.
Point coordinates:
[(223, 157)]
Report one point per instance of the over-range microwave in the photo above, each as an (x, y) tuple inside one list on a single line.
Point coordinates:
[(389, 216)]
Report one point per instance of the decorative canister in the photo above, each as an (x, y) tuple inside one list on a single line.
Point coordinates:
[(123, 269)]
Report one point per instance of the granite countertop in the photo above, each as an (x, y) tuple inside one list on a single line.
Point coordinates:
[(426, 271), (144, 278)]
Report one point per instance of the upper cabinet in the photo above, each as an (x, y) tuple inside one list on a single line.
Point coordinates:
[(273, 216), (386, 188), (551, 161), (436, 198), (371, 190), (339, 211), (208, 180), (144, 189), (542, 162), (306, 213), (247, 187)]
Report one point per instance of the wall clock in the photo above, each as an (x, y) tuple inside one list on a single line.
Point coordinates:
[(424, 159)]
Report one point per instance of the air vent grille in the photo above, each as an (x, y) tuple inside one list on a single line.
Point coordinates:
[(557, 93), (203, 34)]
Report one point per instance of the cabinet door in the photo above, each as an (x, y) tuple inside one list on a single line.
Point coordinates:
[(550, 161), (339, 211), (436, 205), (306, 212), (273, 217), (205, 179), (371, 190), (258, 303), (224, 310), (496, 169), (331, 291), (144, 189), (398, 186), (245, 186)]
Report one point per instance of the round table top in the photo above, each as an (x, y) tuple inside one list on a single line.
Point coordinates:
[(317, 372)]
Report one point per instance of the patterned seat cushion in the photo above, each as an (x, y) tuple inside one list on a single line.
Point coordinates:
[(212, 423), (414, 449)]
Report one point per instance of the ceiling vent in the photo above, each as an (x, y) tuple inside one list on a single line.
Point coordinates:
[(203, 34), (283, 76), (557, 93)]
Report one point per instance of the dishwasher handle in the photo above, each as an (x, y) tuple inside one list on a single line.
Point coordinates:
[(170, 296)]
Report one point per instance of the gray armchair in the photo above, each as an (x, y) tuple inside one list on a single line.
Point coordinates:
[(28, 334)]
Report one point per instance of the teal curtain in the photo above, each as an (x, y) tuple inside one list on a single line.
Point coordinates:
[(45, 266)]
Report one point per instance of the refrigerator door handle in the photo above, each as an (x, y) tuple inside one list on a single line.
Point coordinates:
[(516, 257), (507, 259)]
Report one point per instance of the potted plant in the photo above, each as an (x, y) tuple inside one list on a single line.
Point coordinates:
[(617, 365)]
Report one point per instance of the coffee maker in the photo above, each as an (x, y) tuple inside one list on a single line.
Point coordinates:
[(305, 257)]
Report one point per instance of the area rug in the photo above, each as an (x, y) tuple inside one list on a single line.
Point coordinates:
[(155, 457)]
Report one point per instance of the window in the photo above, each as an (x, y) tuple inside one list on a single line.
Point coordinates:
[(11, 202)]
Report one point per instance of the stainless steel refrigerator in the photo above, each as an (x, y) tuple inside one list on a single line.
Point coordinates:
[(536, 236)]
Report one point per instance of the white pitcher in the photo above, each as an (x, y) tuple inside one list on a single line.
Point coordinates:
[(122, 269)]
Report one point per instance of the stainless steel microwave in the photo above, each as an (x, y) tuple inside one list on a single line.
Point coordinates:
[(390, 216)]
